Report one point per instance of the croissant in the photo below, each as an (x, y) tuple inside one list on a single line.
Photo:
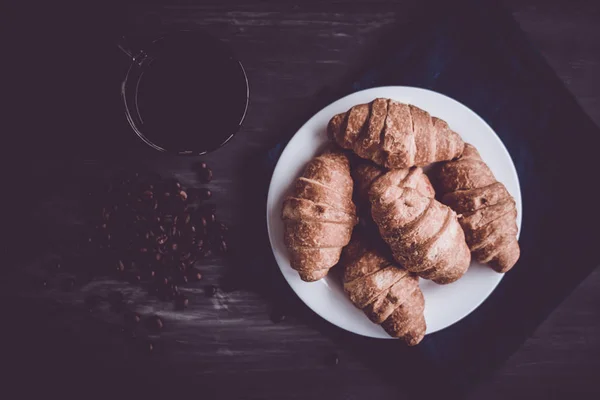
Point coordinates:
[(319, 215), (488, 211), (387, 294), (423, 234), (395, 135), (366, 173)]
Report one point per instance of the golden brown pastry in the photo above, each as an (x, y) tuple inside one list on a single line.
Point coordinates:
[(423, 234), (487, 211), (366, 173), (388, 294), (395, 135), (319, 215)]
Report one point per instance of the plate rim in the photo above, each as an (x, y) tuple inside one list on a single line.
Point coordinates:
[(499, 141)]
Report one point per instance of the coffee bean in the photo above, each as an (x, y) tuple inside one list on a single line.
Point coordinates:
[(162, 238), (208, 208), (183, 195), (134, 277), (183, 279), (223, 247), (194, 274), (333, 359), (203, 222), (277, 316), (204, 194), (67, 284), (221, 229), (205, 174), (132, 317), (181, 302), (120, 266), (200, 166), (40, 283), (150, 229), (155, 323), (173, 185), (206, 252), (53, 265), (210, 290), (212, 218)]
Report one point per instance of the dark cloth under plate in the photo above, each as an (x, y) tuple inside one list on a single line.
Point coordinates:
[(475, 53)]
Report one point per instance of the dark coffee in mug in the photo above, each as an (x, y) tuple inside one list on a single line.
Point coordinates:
[(191, 94)]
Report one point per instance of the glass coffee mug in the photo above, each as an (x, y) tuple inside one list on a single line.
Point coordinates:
[(184, 92)]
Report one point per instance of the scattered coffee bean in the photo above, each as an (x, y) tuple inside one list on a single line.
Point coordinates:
[(181, 302), (277, 316), (333, 359), (204, 194), (173, 185), (135, 277), (210, 290), (40, 283), (219, 230), (204, 173), (203, 222), (148, 228), (154, 323), (195, 275), (120, 266), (67, 284), (53, 265), (223, 247), (132, 317), (129, 334)]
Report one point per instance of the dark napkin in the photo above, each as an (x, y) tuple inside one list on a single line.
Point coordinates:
[(475, 53)]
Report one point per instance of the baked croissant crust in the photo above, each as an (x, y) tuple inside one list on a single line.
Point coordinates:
[(366, 173), (394, 134), (423, 234), (488, 211), (388, 294), (319, 215)]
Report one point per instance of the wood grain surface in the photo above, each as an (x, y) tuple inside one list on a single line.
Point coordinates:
[(226, 346)]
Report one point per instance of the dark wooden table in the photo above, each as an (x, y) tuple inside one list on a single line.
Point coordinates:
[(227, 346)]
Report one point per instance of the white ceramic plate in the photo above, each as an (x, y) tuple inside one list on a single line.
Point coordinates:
[(444, 304)]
